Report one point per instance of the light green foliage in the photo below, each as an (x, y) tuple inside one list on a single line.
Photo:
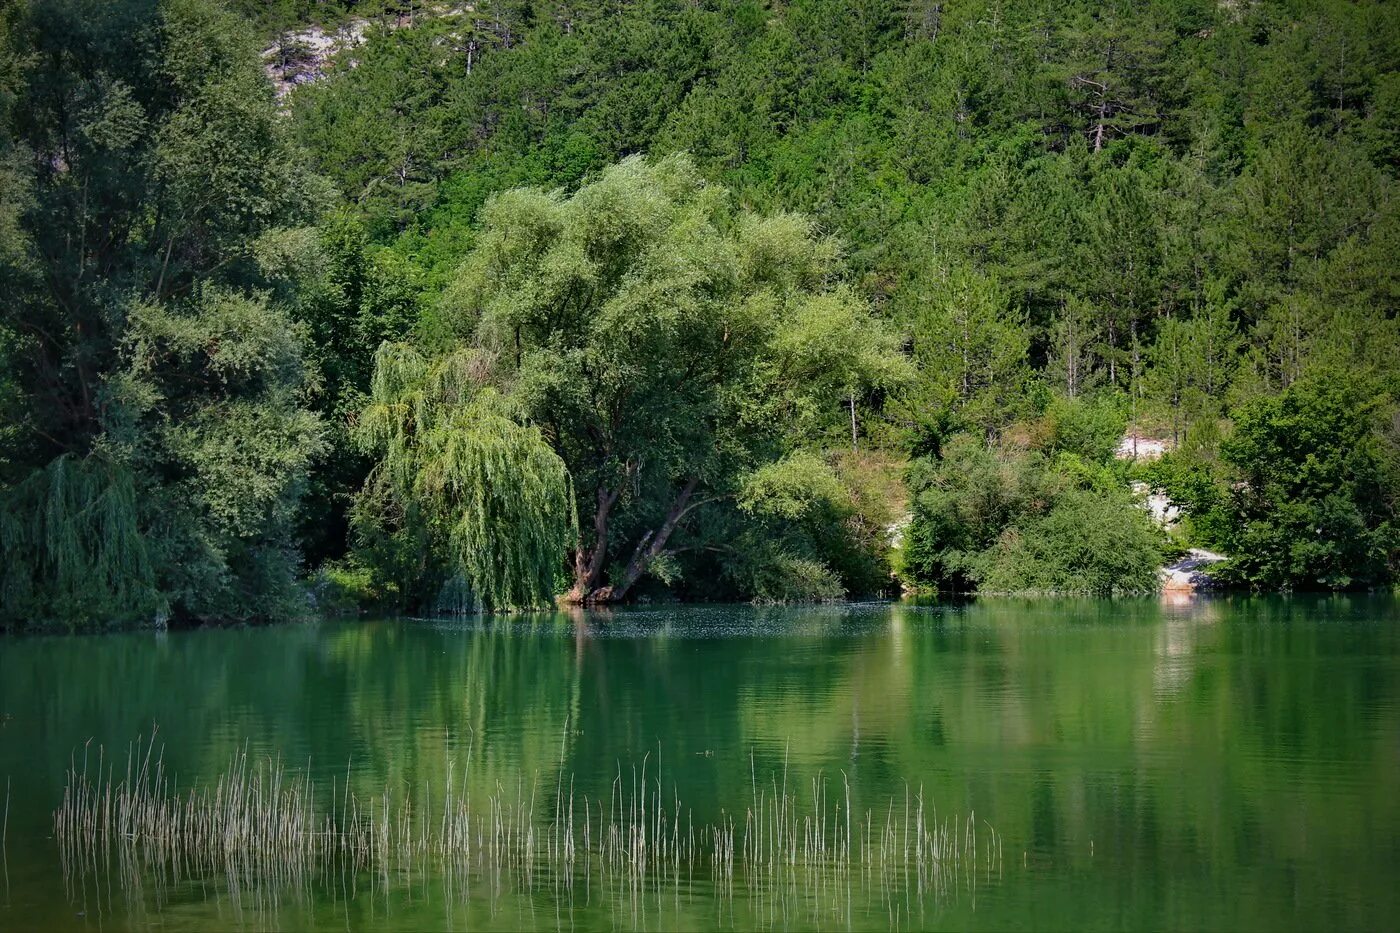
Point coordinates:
[(1087, 429), (346, 586), (668, 346), (241, 456), (1302, 493), (835, 511), (792, 487), (1088, 199), (491, 491), (1117, 266), (1158, 211), (238, 340), (1072, 364)]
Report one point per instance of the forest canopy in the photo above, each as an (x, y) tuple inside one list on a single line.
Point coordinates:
[(720, 300)]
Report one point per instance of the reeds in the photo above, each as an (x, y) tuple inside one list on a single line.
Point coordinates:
[(262, 828)]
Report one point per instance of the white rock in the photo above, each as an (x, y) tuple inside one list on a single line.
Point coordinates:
[(1139, 447)]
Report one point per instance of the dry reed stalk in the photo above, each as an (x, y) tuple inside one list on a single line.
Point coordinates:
[(259, 828)]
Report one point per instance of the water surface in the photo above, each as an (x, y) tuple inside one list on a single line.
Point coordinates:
[(1219, 764)]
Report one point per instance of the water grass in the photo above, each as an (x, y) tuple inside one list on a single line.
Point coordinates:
[(263, 830)]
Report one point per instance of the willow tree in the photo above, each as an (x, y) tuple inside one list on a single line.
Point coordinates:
[(487, 488), (667, 344), (73, 548)]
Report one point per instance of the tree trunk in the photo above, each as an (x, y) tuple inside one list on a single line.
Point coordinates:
[(1101, 126), (648, 549), (1112, 352), (588, 563), (853, 422)]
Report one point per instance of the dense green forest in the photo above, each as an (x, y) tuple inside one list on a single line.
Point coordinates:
[(708, 300)]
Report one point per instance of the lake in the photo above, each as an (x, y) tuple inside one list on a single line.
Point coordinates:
[(1222, 763)]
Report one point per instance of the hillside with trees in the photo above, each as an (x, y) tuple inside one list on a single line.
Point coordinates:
[(715, 300)]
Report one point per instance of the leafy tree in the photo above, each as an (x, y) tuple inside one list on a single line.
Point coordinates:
[(1074, 336), (1120, 257), (357, 132), (1194, 482), (971, 344), (355, 297), (666, 345), (488, 490), (1319, 472), (1089, 429), (963, 502), (1193, 363), (1300, 199), (150, 295), (78, 518), (1115, 63), (1090, 542)]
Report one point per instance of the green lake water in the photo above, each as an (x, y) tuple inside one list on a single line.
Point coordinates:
[(1215, 764)]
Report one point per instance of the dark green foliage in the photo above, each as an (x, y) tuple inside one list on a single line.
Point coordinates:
[(360, 296), (1318, 497), (1089, 541), (1080, 215), (74, 554), (150, 272), (1196, 486), (963, 502), (1003, 520), (288, 14)]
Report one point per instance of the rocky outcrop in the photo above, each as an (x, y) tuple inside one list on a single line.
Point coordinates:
[(304, 55), (1190, 574), (1163, 511), (301, 57), (1141, 447)]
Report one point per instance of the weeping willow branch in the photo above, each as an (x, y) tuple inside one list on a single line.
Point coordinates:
[(498, 498), (71, 546)]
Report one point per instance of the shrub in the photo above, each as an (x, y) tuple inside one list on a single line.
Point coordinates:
[(1088, 542), (1004, 520)]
